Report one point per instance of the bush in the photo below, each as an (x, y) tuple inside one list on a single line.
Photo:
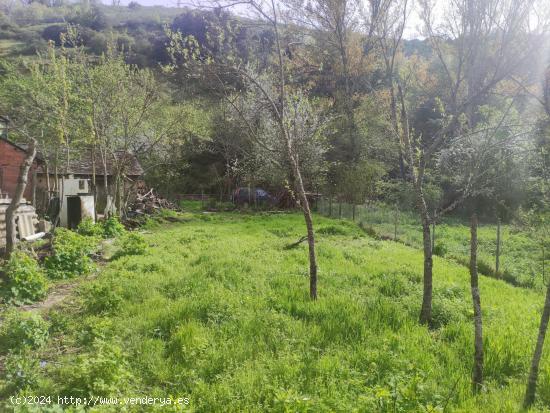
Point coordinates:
[(332, 230), (21, 371), (25, 279), (23, 330), (96, 327), (89, 228), (113, 228), (101, 298), (440, 249), (448, 307), (132, 244), (102, 372), (71, 255)]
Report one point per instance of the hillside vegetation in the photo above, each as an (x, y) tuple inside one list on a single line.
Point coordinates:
[(216, 309)]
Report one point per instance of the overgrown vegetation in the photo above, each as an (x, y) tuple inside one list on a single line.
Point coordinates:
[(71, 255), (521, 260), (230, 325), (25, 281), (234, 103)]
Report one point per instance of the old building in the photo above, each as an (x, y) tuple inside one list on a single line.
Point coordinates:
[(11, 158), (81, 167)]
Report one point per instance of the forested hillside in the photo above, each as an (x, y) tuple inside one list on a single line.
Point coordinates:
[(296, 205)]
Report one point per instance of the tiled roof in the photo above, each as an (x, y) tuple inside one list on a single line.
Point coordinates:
[(81, 164)]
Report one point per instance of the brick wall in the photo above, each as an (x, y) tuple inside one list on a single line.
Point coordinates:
[(11, 158)]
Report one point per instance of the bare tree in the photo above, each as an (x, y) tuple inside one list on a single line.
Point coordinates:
[(477, 45), (387, 25), (334, 23), (277, 101), (531, 387), (532, 380)]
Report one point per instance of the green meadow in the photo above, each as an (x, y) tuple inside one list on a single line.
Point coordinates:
[(520, 252), (217, 310)]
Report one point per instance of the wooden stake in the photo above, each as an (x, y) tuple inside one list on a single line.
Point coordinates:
[(497, 254)]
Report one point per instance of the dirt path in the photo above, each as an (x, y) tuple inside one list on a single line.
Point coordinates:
[(55, 296)]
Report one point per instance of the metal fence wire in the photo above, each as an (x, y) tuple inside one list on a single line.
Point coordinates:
[(504, 252)]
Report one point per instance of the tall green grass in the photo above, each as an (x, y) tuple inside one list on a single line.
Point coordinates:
[(217, 310), (520, 256)]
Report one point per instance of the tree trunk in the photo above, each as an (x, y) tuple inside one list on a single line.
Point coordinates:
[(56, 172), (477, 376), (395, 224), (534, 371), (433, 233), (11, 233), (46, 199), (497, 255), (299, 184), (48, 186), (395, 125), (426, 310), (105, 183), (33, 183), (310, 233), (120, 195), (94, 181)]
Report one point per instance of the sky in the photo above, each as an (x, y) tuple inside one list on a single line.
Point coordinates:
[(412, 30)]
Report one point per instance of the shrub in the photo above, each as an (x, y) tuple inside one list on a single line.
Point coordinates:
[(132, 244), (71, 255), (96, 328), (101, 297), (23, 329), (448, 308), (89, 228), (343, 228), (112, 228), (60, 322), (25, 280), (101, 372), (440, 249), (21, 370)]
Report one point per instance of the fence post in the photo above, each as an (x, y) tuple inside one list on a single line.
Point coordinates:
[(543, 263), (340, 210), (497, 255), (353, 212), (202, 198), (396, 218), (330, 207), (433, 234)]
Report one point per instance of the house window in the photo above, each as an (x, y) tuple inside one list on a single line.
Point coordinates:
[(81, 184)]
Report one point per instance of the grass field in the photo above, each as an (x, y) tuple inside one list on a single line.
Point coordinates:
[(520, 254), (217, 310)]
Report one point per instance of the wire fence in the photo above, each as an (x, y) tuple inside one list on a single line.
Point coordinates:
[(504, 252)]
